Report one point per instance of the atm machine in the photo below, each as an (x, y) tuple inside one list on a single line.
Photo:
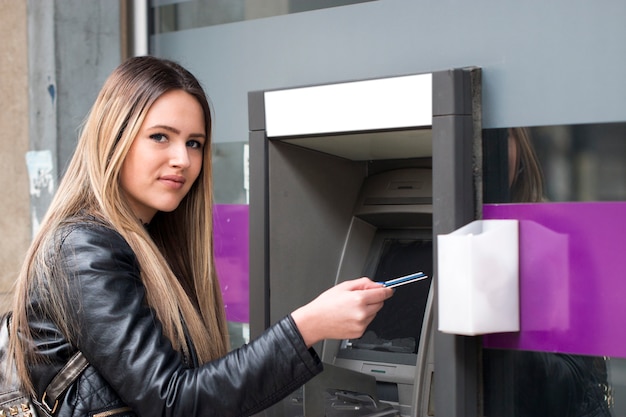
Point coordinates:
[(354, 179), (391, 236)]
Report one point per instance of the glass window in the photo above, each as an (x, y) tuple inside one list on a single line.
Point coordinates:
[(174, 15), (554, 164)]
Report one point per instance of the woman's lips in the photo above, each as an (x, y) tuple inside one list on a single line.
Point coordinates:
[(173, 181)]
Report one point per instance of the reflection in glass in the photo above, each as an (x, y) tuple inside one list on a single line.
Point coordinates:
[(175, 15), (555, 163), (583, 162), (576, 163), (230, 188), (525, 175)]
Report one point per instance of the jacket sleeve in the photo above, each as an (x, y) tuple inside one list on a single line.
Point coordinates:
[(123, 340)]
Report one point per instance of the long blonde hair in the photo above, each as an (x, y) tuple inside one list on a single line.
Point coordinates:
[(175, 257)]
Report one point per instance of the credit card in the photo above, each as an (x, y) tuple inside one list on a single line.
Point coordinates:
[(407, 279)]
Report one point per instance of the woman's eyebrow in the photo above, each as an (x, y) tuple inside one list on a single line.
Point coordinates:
[(176, 131)]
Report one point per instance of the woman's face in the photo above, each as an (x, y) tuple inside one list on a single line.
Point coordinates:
[(165, 157)]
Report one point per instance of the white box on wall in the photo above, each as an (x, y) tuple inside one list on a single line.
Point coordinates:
[(478, 278)]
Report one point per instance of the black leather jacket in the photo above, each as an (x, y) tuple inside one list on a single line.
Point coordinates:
[(133, 368)]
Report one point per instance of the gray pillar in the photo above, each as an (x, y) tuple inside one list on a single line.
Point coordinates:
[(457, 368)]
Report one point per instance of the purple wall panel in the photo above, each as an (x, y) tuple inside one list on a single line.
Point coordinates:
[(230, 229), (572, 277)]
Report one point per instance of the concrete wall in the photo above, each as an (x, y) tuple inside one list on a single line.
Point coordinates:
[(87, 49), (54, 57), (14, 206)]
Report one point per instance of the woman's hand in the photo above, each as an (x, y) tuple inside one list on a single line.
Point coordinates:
[(341, 312)]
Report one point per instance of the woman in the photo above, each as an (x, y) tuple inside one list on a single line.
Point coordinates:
[(122, 270)]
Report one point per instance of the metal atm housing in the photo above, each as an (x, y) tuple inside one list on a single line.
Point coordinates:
[(336, 171)]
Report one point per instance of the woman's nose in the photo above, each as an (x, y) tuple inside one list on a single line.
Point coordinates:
[(179, 155)]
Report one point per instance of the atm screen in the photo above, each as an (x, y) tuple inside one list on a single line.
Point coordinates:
[(393, 336)]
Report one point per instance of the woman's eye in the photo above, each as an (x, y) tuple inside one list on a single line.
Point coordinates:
[(158, 137), (194, 144)]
